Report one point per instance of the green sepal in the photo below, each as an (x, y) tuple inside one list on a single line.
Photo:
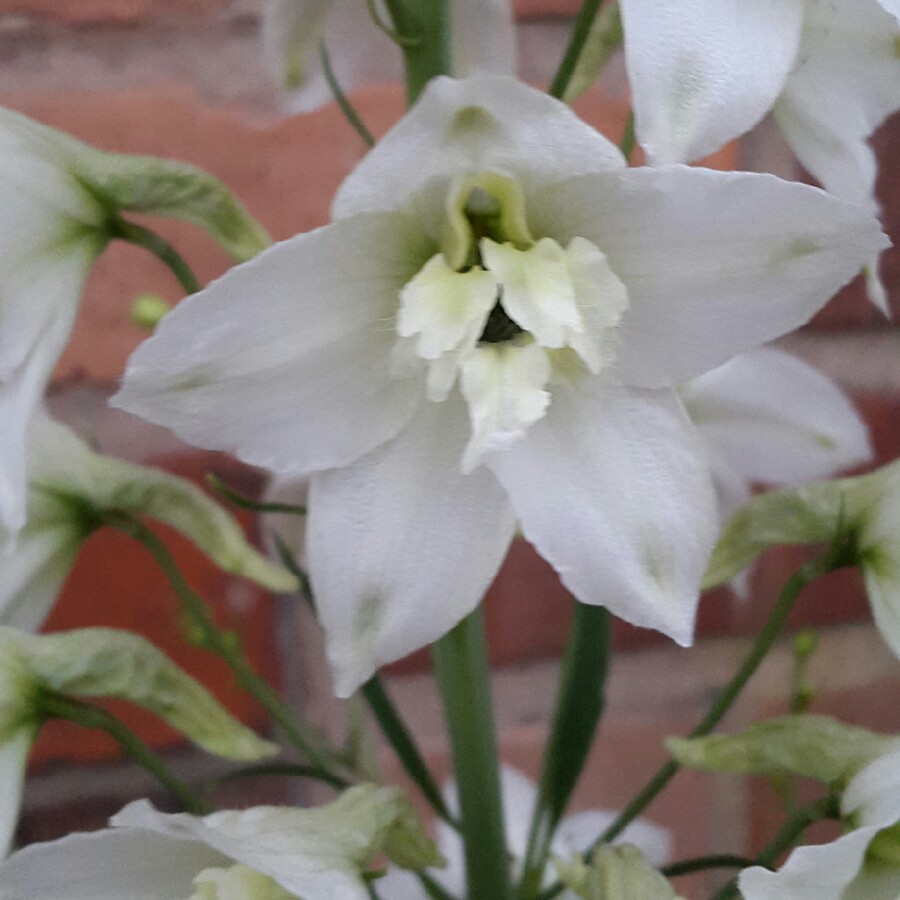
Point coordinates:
[(615, 873)]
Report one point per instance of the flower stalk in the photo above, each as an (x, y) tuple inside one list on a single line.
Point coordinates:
[(423, 32), (463, 678)]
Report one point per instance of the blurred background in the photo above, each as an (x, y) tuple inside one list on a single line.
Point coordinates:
[(187, 79)]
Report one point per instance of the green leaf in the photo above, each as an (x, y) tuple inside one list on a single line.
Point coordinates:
[(813, 746), (105, 662)]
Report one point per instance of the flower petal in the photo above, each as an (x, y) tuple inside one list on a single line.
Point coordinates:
[(14, 750), (715, 263), (108, 865), (286, 360), (776, 419), (846, 83), (820, 872), (578, 831), (316, 853), (613, 489), (387, 578), (873, 794), (703, 72), (484, 123)]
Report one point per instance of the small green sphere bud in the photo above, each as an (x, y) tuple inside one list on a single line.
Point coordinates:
[(805, 644), (148, 309)]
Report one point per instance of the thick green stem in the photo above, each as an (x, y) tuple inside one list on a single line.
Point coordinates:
[(308, 741), (161, 249), (463, 678), (826, 808), (580, 33), (834, 558), (423, 27), (87, 715)]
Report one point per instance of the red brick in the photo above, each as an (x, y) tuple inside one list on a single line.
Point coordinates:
[(118, 12)]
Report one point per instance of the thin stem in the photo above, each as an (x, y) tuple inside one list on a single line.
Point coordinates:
[(310, 742), (703, 863), (580, 33), (427, 54), (87, 715), (160, 248), (626, 145), (432, 888), (826, 808), (833, 558), (242, 501), (401, 739), (401, 40), (284, 770), (346, 107), (463, 678)]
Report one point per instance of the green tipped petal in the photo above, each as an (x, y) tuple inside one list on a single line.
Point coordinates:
[(104, 662), (816, 747), (615, 873)]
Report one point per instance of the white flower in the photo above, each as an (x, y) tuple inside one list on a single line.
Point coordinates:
[(72, 488), (482, 39), (519, 795), (263, 853), (766, 417), (703, 72), (101, 662), (59, 201), (491, 331), (864, 864)]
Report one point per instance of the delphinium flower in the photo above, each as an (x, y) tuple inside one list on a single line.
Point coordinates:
[(261, 853), (519, 794), (703, 72), (60, 205), (482, 39), (490, 332)]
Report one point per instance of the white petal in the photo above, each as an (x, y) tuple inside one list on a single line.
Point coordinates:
[(883, 590), (820, 872), (359, 52), (519, 795), (891, 6), (703, 72), (107, 865), (775, 419), (872, 796), (484, 123), (714, 263), (504, 386), (398, 884), (316, 853), (401, 545), (286, 360), (846, 83), (483, 37), (445, 309), (613, 489), (579, 831), (53, 289), (14, 751)]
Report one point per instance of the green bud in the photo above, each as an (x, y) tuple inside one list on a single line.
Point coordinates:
[(813, 746), (615, 873), (148, 309), (407, 845)]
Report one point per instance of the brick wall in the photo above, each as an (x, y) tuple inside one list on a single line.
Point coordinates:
[(183, 78)]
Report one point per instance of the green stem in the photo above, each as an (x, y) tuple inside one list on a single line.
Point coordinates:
[(580, 33), (161, 249), (626, 145), (826, 808), (403, 743), (704, 863), (242, 501), (284, 770), (310, 742), (463, 678), (579, 706), (834, 558), (424, 26), (87, 715), (343, 102)]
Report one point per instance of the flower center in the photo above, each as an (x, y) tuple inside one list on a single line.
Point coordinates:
[(505, 313)]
